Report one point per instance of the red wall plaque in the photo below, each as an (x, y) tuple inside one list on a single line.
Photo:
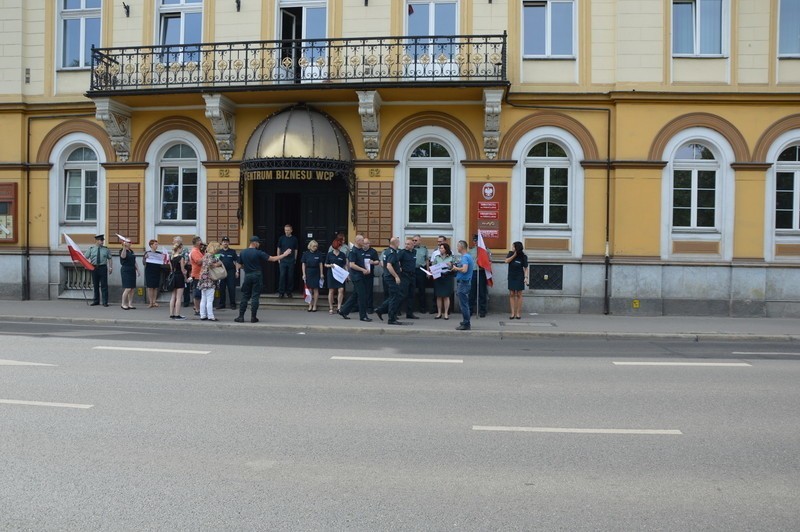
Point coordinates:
[(488, 208)]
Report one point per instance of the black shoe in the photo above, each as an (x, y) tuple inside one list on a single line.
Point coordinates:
[(345, 316), (239, 319), (432, 312), (280, 296), (370, 311), (93, 304), (395, 322), (105, 304), (366, 319), (412, 317), (219, 308), (482, 314), (253, 320), (463, 328), (234, 306), (380, 314), (289, 295)]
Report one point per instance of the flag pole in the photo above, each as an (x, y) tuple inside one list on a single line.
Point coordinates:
[(83, 289)]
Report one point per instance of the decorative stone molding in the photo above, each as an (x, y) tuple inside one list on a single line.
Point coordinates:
[(369, 107), (221, 111), (492, 105), (116, 118)]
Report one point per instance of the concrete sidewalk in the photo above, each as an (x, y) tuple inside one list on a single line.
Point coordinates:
[(494, 325)]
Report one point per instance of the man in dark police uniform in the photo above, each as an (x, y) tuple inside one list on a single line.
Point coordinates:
[(357, 272), (253, 261), (230, 260), (408, 265), (391, 282)]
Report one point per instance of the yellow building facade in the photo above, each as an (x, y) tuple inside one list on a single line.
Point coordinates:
[(645, 152)]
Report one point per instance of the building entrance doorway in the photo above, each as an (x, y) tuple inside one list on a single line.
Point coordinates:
[(315, 210)]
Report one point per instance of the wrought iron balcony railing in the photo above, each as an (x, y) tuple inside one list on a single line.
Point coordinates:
[(470, 59)]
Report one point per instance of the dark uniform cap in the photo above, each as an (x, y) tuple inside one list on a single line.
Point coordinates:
[(254, 238), (226, 239), (474, 237), (99, 237)]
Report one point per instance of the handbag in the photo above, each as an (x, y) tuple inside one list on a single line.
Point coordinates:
[(169, 284), (217, 272)]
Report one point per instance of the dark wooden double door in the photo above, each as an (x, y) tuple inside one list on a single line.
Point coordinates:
[(316, 211)]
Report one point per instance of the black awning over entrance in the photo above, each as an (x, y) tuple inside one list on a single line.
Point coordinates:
[(298, 163)]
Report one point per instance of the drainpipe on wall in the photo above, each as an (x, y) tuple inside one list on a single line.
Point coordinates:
[(607, 111)]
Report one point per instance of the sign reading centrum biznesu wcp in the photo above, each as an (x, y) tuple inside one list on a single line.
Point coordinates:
[(488, 203)]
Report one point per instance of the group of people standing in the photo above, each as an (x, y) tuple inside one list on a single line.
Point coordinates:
[(405, 273)]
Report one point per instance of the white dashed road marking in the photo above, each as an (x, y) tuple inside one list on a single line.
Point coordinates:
[(150, 350), (697, 364), (40, 403), (381, 359), (657, 432), (23, 363)]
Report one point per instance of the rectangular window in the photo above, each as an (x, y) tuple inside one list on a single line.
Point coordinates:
[(547, 195), (786, 208), (789, 28), (429, 195), (694, 199), (548, 28), (431, 19), (79, 30), (181, 23), (178, 194), (80, 195), (697, 27)]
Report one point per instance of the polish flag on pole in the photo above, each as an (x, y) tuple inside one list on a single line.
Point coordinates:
[(76, 254), (483, 259), (307, 299)]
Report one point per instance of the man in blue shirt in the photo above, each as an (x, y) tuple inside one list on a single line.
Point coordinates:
[(463, 283), (357, 272), (286, 281), (253, 260)]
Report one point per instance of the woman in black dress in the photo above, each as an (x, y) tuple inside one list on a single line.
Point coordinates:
[(177, 264), (128, 271), (444, 286), (517, 273), (311, 274), (152, 272), (335, 257)]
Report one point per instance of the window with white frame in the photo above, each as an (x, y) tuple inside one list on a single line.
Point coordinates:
[(430, 18), (789, 28), (303, 20), (178, 168), (547, 185), (695, 188), (430, 184), (787, 190), (180, 23), (79, 30), (548, 28), (698, 27), (80, 185)]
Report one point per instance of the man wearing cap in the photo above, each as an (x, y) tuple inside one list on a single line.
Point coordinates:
[(100, 257), (478, 294), (252, 261), (229, 259)]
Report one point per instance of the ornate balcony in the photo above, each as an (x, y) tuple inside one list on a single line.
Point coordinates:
[(478, 60)]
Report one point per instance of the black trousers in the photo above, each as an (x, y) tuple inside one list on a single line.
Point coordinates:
[(228, 286), (391, 300), (357, 298), (286, 278), (478, 292), (100, 284), (370, 291), (409, 293), (251, 290)]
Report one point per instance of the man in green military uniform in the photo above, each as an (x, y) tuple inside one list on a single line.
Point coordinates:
[(100, 257)]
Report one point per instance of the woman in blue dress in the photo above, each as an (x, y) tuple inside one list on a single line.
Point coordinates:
[(310, 262), (338, 258), (128, 271), (517, 273)]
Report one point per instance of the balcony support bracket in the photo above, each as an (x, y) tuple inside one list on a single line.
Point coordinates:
[(492, 104), (116, 118), (369, 107), (221, 111)]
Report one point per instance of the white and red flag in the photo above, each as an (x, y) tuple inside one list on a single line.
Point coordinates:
[(76, 253), (483, 259), (307, 298)]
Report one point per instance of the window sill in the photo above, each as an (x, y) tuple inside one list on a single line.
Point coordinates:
[(74, 69), (699, 56), (790, 57), (177, 222), (696, 233), (79, 223), (549, 58)]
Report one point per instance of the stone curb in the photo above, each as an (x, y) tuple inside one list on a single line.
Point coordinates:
[(399, 331)]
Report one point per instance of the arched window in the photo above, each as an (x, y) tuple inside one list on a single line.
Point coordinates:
[(80, 185), (430, 184), (179, 182), (695, 192), (547, 185), (787, 189)]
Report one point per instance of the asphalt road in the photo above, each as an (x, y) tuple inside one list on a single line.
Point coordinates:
[(247, 431)]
